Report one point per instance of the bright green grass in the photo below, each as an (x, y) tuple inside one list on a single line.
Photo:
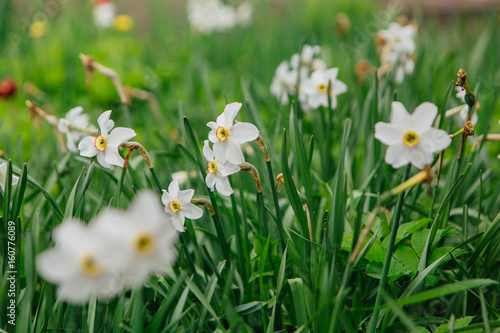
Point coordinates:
[(278, 281)]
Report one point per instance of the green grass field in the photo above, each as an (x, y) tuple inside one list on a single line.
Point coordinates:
[(337, 246)]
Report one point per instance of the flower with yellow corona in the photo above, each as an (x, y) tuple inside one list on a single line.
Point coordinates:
[(178, 205), (105, 145), (411, 137), (218, 171)]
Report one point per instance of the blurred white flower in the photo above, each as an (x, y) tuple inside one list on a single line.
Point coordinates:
[(314, 90), (3, 176), (284, 82), (178, 205), (145, 236), (105, 145), (75, 125), (227, 137), (104, 14), (82, 263), (411, 138), (181, 176), (218, 172), (208, 16), (397, 50), (244, 13), (464, 112)]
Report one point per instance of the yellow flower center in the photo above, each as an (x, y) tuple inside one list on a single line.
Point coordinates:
[(322, 88), (410, 139), (222, 133), (100, 143), (174, 206), (145, 244), (91, 267), (212, 167)]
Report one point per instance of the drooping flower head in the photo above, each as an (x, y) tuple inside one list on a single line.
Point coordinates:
[(82, 263), (227, 137), (218, 171), (3, 176), (411, 137), (178, 205), (75, 125), (145, 236), (314, 90), (106, 144)]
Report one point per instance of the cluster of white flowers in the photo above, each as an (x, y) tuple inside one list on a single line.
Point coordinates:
[(226, 156), (3, 176), (397, 47), (411, 137), (115, 251), (464, 112), (312, 77), (208, 16)]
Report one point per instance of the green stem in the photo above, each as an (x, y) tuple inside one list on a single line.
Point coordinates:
[(156, 179), (262, 211), (388, 255)]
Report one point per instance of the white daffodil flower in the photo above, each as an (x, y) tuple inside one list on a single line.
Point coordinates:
[(105, 145), (227, 137), (314, 90), (411, 137), (400, 38), (104, 14), (218, 172), (75, 125), (82, 263), (284, 82), (178, 205), (3, 176), (145, 236)]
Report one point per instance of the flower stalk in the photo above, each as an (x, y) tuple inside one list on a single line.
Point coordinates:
[(206, 203)]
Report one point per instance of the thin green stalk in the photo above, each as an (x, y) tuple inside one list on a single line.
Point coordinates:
[(388, 256), (240, 235), (279, 219)]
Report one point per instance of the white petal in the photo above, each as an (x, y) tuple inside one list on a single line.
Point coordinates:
[(399, 116), (228, 168), (223, 186), (15, 180), (86, 147), (101, 158), (191, 211), (423, 116), (75, 291), (434, 140), (243, 132), (230, 112), (185, 196), (178, 222), (332, 74), (55, 265), (388, 133), (210, 181), (120, 135), (213, 125), (220, 149), (397, 155), (173, 188), (105, 124), (112, 156), (419, 157), (338, 87), (233, 153), (207, 152)]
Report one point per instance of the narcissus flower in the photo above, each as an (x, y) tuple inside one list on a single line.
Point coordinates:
[(284, 82), (3, 176), (314, 90), (411, 137), (105, 145), (218, 171), (82, 263), (145, 236), (75, 125), (227, 137), (178, 205)]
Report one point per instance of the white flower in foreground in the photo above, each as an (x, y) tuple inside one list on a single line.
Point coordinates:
[(178, 205), (411, 138), (75, 125), (104, 14), (3, 176), (284, 82), (314, 90), (218, 172), (82, 263), (227, 137), (145, 236), (105, 145)]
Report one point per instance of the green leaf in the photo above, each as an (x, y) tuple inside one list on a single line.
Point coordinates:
[(299, 300), (396, 270), (459, 323), (407, 256), (419, 238)]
